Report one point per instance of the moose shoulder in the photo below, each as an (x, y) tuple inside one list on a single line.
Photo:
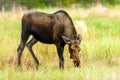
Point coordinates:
[(56, 28)]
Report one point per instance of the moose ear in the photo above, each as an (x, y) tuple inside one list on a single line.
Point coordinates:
[(67, 40), (79, 38)]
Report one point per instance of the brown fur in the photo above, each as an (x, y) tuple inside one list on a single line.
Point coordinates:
[(48, 28)]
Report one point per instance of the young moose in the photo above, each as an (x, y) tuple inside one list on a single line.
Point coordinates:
[(56, 28)]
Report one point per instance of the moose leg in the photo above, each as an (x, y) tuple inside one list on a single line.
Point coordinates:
[(60, 50), (29, 46), (21, 47)]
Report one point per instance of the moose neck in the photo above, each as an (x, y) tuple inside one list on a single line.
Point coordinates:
[(70, 32)]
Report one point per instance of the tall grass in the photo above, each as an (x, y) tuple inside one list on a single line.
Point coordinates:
[(100, 54)]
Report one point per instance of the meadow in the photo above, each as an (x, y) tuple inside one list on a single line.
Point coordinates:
[(100, 47)]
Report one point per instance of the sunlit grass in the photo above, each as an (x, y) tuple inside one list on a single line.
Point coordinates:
[(100, 53)]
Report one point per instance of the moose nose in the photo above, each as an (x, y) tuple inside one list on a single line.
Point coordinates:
[(77, 63)]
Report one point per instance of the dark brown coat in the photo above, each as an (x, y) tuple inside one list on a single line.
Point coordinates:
[(56, 28)]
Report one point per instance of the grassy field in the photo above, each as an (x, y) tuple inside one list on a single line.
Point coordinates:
[(100, 54)]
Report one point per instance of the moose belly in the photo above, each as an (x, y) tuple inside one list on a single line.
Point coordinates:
[(43, 37)]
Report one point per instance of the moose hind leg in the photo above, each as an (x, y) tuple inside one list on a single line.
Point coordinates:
[(29, 46), (21, 47)]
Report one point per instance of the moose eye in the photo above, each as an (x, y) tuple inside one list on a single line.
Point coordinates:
[(76, 46)]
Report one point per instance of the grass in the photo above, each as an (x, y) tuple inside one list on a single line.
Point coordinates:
[(100, 54)]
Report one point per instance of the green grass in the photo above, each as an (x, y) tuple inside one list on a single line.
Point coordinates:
[(90, 71), (100, 54)]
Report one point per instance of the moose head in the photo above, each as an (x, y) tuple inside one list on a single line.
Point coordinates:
[(74, 48)]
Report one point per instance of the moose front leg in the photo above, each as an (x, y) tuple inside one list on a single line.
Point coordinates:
[(60, 50)]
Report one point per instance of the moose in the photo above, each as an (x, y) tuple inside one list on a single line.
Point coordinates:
[(56, 28)]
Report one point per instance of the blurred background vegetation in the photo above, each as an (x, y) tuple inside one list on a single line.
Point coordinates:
[(8, 4)]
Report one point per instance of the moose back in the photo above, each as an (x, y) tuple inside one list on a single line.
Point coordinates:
[(56, 28)]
